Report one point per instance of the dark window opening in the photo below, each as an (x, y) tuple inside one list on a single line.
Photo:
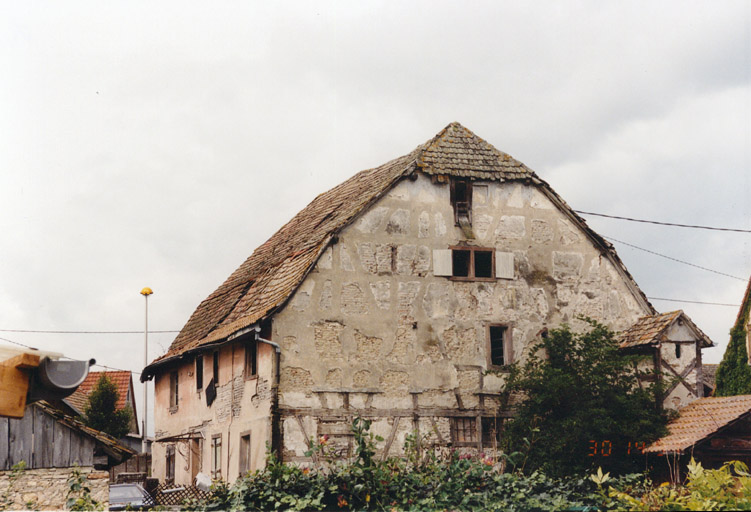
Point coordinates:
[(460, 263), (251, 359), (463, 430), (170, 464), (472, 263), (461, 199), (497, 345), (199, 372), (216, 368), (491, 432), (678, 350), (483, 263), (173, 390)]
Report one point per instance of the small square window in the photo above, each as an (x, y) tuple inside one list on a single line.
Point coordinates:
[(677, 350), (463, 431), (492, 428)]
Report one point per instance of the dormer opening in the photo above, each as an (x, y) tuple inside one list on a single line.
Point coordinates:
[(461, 200)]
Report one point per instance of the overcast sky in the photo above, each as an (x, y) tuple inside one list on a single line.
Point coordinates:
[(158, 143)]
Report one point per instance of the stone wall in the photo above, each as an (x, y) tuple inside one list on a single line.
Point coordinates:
[(373, 327), (46, 489)]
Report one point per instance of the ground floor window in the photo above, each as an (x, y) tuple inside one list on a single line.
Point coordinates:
[(170, 464), (216, 456), (244, 452), (463, 431)]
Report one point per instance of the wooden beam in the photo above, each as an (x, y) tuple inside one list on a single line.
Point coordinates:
[(14, 384)]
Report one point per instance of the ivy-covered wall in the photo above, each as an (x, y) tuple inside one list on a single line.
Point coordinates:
[(734, 373)]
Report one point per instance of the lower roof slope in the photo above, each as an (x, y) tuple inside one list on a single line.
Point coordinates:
[(269, 277), (699, 420)]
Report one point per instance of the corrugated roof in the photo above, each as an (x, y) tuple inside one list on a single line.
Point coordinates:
[(699, 420), (649, 330), (265, 281)]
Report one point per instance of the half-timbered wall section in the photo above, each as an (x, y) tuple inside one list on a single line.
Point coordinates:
[(373, 331), (389, 297)]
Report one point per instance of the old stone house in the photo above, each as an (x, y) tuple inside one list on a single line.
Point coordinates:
[(388, 297)]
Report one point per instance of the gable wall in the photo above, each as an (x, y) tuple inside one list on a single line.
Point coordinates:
[(372, 320)]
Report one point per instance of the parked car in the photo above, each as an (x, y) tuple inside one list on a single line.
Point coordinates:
[(130, 496)]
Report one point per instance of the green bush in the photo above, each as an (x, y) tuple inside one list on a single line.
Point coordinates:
[(420, 481)]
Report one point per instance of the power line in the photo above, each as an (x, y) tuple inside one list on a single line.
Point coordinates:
[(83, 332), (692, 226), (674, 259), (69, 358), (695, 302)]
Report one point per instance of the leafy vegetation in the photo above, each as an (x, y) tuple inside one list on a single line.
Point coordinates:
[(576, 389), (101, 412), (79, 493), (726, 488), (420, 481), (734, 373)]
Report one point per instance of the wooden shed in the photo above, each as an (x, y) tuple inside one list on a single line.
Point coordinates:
[(47, 438)]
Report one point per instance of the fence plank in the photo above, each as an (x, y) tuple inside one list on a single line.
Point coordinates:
[(20, 436), (4, 444), (61, 451), (43, 438)]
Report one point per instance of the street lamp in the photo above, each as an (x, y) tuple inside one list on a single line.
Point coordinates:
[(145, 292)]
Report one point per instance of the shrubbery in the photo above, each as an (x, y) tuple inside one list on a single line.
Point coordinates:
[(420, 481)]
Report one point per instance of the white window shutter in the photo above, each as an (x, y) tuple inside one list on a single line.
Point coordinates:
[(442, 265), (504, 265)]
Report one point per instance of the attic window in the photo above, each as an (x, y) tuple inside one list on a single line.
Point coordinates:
[(461, 200), (499, 346), (199, 372)]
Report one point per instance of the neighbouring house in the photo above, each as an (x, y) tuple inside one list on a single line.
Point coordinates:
[(400, 295), (708, 372), (672, 344), (123, 381), (712, 430), (51, 444)]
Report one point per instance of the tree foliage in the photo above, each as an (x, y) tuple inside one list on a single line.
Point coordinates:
[(734, 373), (576, 390), (101, 412)]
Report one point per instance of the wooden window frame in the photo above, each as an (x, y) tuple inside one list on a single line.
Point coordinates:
[(216, 456), (244, 455), (199, 372), (459, 424), (251, 360), (508, 352), (455, 204), (471, 271), (174, 390)]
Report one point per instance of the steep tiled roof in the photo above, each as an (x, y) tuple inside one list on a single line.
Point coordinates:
[(649, 330), (121, 380), (700, 419), (269, 277), (456, 151)]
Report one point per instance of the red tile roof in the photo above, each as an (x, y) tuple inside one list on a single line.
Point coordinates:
[(700, 419), (121, 379)]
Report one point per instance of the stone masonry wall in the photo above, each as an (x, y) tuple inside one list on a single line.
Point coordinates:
[(46, 489), (374, 320)]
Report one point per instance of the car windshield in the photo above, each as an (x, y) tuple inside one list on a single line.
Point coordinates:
[(125, 493)]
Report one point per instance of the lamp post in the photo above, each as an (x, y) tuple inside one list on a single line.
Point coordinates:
[(145, 292)]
